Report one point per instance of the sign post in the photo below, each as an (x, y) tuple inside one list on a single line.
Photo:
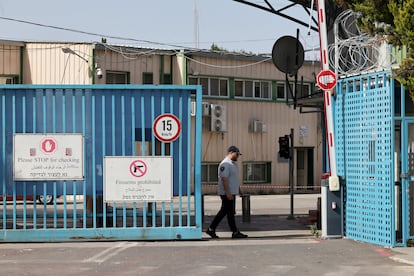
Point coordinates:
[(327, 79)]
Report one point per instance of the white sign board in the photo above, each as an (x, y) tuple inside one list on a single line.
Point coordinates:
[(47, 157), (138, 178)]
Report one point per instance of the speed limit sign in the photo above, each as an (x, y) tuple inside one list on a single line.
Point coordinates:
[(167, 128)]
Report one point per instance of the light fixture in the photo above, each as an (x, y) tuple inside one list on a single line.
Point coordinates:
[(99, 72), (67, 50)]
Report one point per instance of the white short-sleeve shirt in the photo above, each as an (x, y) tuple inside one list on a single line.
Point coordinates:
[(228, 168)]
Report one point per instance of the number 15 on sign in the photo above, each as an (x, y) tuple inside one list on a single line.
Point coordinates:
[(167, 127)]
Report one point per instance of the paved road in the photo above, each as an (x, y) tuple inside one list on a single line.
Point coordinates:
[(261, 256), (276, 246)]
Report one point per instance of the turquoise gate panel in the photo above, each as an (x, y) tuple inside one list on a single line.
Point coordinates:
[(364, 130), (114, 121)]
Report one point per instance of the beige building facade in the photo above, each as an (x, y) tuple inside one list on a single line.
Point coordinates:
[(246, 101)]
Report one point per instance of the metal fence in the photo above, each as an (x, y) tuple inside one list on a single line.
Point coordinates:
[(112, 121), (364, 129)]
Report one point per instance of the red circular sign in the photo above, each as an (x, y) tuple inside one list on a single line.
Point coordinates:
[(138, 168), (48, 145), (326, 79), (167, 127)]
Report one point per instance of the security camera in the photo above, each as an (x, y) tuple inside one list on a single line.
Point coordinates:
[(99, 73)]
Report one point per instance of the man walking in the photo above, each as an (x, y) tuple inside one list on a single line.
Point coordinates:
[(228, 188)]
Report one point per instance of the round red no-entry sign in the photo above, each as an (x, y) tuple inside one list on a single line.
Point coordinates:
[(326, 79)]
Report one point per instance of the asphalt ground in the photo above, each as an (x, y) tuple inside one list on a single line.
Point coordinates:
[(278, 244), (271, 217)]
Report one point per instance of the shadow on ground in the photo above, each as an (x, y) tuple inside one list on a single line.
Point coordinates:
[(264, 223)]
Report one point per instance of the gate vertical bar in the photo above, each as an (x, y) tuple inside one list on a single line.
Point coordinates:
[(3, 157), (197, 158)]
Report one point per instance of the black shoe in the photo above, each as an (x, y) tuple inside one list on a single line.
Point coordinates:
[(239, 235), (212, 233)]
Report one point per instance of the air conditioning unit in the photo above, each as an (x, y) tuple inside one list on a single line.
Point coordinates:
[(205, 109), (218, 118), (257, 126)]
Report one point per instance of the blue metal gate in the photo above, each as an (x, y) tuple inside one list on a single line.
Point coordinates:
[(114, 120), (364, 129)]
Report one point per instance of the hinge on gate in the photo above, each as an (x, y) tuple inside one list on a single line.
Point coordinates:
[(404, 175)]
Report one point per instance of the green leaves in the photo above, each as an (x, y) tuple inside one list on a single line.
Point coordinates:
[(395, 20)]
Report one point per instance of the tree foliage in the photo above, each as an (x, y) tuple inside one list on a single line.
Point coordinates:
[(393, 19), (216, 48)]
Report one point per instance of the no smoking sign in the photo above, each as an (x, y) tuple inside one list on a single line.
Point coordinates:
[(167, 128)]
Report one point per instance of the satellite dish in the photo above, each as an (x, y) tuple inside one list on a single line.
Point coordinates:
[(288, 54)]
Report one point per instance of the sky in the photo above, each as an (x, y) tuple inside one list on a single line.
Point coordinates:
[(226, 23)]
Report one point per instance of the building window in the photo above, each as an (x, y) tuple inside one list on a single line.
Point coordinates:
[(265, 91), (9, 80), (167, 79), (204, 84), (280, 93), (248, 89), (303, 90), (113, 77), (238, 88), (213, 87), (209, 173), (256, 172), (147, 78), (283, 91), (252, 89), (193, 81)]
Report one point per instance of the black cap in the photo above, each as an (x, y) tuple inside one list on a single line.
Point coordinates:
[(234, 149)]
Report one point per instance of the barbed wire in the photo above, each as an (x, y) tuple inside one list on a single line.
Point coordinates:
[(353, 51)]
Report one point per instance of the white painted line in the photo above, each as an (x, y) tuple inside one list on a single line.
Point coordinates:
[(109, 253), (401, 260), (207, 270), (344, 270), (277, 269)]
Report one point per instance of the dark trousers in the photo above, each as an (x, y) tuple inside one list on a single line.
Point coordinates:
[(228, 208)]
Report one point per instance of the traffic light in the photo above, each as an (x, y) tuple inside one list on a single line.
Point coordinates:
[(284, 147)]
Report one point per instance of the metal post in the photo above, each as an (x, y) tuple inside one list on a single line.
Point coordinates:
[(246, 207), (291, 216)]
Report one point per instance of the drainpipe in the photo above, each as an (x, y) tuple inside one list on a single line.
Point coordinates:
[(92, 66), (162, 69), (21, 64), (184, 67)]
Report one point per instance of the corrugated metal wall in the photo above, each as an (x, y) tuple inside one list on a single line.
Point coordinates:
[(58, 63), (112, 120), (243, 68), (135, 63), (10, 58)]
